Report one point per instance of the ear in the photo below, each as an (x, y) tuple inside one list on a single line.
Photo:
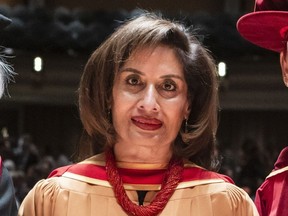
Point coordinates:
[(187, 111), (284, 67)]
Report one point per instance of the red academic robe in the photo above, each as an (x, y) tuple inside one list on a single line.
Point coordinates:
[(272, 196)]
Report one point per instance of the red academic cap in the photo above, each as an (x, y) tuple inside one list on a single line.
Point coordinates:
[(267, 26)]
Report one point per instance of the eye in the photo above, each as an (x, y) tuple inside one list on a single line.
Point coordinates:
[(133, 81), (169, 85)]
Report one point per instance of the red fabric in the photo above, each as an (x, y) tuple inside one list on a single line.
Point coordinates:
[(271, 5), (272, 196), (266, 26), (263, 29), (282, 160), (135, 176), (59, 171)]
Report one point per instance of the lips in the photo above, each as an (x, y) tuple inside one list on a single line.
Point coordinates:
[(147, 123)]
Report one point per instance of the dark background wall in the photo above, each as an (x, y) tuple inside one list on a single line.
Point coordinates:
[(170, 6)]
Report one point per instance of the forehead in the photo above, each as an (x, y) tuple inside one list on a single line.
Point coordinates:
[(143, 50), (160, 51), (157, 56)]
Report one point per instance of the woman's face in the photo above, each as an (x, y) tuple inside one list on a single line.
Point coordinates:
[(150, 98)]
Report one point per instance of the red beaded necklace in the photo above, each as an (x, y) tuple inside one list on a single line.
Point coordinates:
[(171, 179)]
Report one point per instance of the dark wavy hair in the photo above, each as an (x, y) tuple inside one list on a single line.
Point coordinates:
[(197, 142)]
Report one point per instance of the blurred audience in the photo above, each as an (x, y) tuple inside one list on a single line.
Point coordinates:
[(252, 167), (25, 163), (249, 165), (26, 153)]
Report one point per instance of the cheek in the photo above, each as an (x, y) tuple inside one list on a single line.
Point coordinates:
[(177, 113), (180, 106), (115, 104), (116, 108), (122, 100), (120, 107)]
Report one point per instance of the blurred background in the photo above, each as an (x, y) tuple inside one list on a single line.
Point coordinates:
[(49, 42)]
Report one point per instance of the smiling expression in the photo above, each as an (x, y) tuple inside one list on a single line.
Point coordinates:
[(150, 98)]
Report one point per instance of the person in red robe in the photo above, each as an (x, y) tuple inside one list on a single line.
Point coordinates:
[(272, 196), (267, 27)]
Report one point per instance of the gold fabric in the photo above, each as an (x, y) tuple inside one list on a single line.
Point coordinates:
[(71, 196)]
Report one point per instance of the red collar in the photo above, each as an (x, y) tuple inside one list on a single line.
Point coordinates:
[(138, 176)]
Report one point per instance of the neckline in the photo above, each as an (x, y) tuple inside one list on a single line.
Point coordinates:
[(170, 181), (141, 166), (100, 160)]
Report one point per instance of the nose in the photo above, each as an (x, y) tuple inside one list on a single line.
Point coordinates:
[(148, 101)]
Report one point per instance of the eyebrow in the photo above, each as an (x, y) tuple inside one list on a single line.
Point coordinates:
[(141, 73), (131, 70)]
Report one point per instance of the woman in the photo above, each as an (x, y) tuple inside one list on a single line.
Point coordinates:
[(148, 100)]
